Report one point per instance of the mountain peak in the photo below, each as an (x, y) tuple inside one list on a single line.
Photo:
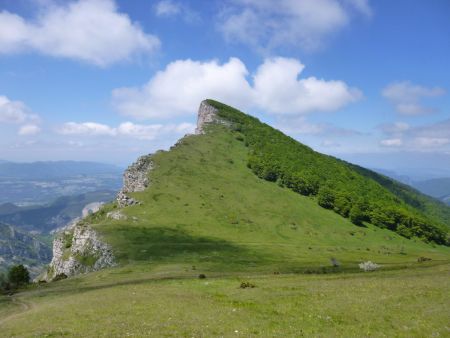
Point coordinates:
[(208, 114)]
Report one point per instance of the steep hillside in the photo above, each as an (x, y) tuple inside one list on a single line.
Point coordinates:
[(352, 191), (205, 206), (20, 247)]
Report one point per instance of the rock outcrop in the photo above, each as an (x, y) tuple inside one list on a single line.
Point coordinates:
[(78, 249), (207, 114), (135, 179)]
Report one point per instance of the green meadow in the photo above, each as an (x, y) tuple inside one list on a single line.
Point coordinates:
[(124, 302)]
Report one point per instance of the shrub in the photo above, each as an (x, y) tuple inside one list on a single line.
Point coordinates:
[(368, 266), (325, 198), (245, 285), (357, 215), (18, 275), (423, 259), (202, 276), (335, 263)]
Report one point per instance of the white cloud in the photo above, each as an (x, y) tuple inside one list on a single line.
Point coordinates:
[(86, 128), (15, 112), (29, 130), (394, 128), (89, 30), (393, 142), (171, 9), (126, 129), (178, 89), (267, 24), (279, 90), (12, 111), (167, 8), (423, 138), (406, 97)]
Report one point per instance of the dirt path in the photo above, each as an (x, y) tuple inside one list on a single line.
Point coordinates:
[(23, 305)]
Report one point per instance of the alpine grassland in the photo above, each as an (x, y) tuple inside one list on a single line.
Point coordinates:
[(276, 233)]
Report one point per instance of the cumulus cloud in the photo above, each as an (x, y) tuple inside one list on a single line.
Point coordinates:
[(276, 88), (15, 111), (267, 24), (29, 130), (89, 30), (126, 129), (423, 138), (279, 90), (407, 97)]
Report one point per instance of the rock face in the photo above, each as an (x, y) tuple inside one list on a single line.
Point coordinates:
[(207, 114), (135, 179), (78, 249)]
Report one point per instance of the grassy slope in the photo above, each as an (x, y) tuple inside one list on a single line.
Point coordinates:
[(205, 207), (115, 303)]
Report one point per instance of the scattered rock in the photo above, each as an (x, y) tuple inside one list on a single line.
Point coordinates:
[(368, 266), (116, 215), (423, 259)]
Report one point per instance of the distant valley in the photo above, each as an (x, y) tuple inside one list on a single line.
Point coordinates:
[(48, 217), (437, 187), (34, 183), (38, 198)]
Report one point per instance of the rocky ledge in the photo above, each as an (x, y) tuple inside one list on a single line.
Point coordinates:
[(135, 179), (207, 114), (78, 249)]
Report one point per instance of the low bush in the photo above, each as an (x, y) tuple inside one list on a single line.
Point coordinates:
[(245, 285)]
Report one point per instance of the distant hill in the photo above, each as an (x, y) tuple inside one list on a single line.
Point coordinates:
[(56, 169), (46, 218), (20, 247), (438, 188)]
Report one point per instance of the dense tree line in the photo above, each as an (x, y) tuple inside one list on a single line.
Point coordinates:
[(350, 191)]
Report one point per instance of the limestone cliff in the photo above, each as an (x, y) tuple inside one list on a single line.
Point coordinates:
[(207, 114), (78, 249), (135, 179)]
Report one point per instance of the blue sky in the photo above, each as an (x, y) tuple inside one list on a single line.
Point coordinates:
[(105, 80)]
